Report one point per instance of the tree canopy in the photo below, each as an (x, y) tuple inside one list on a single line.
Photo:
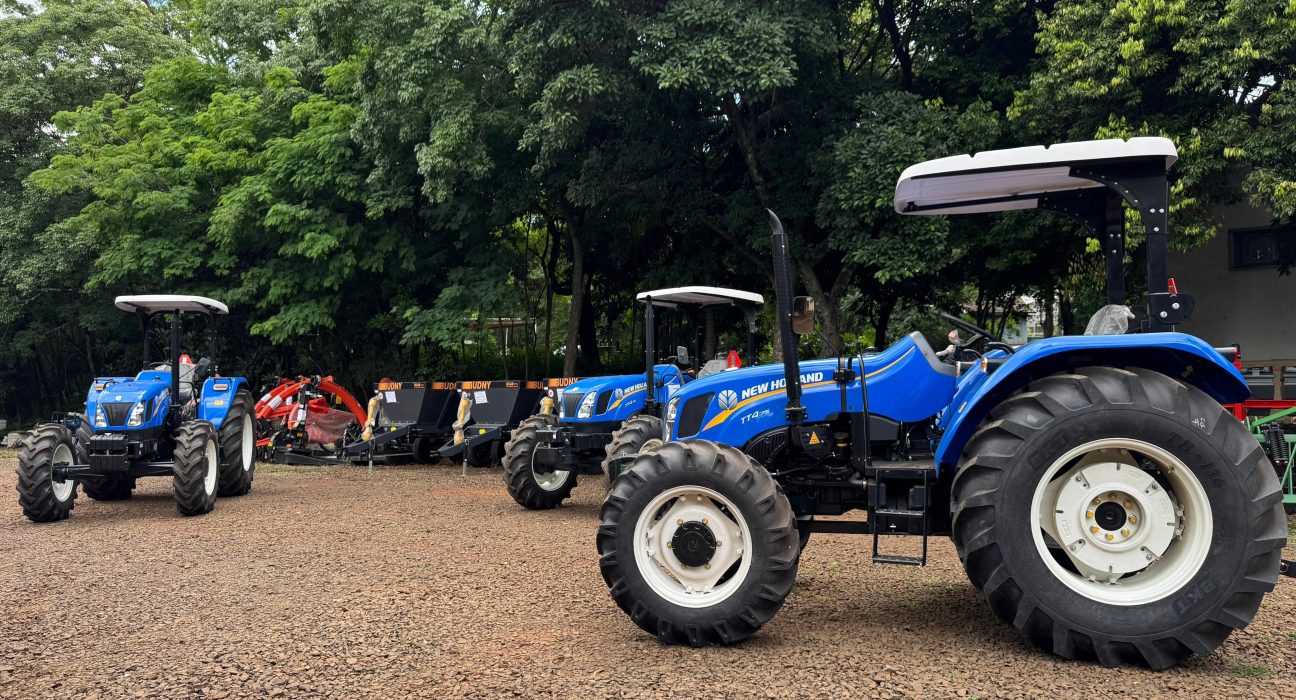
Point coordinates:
[(370, 184)]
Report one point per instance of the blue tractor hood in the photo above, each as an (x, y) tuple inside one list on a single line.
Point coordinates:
[(618, 397), (111, 400)]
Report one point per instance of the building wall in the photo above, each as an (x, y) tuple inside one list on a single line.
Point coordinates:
[(1254, 308)]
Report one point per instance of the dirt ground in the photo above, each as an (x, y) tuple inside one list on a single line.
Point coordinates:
[(422, 582)]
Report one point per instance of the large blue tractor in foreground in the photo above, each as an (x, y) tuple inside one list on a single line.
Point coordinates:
[(174, 418), (603, 420), (1096, 491)]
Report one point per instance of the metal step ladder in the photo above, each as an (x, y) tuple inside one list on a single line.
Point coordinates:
[(890, 520)]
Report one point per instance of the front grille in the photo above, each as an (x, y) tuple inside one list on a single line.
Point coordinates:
[(690, 420), (117, 413), (571, 402)]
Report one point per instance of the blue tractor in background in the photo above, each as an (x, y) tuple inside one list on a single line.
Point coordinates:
[(174, 418), (602, 420), (1095, 489)]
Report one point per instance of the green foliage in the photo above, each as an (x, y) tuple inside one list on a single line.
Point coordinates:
[(370, 184)]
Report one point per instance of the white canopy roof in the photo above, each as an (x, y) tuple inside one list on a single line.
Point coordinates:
[(1013, 174), (153, 303), (699, 296)]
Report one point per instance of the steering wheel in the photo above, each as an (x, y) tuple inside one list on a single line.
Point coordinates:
[(978, 334)]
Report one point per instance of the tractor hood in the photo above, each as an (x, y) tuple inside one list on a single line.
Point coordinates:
[(111, 400), (617, 397)]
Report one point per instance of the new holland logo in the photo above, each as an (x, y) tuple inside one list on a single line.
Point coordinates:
[(728, 399), (618, 392)]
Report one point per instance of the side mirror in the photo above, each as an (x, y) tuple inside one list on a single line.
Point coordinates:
[(681, 354), (803, 318)]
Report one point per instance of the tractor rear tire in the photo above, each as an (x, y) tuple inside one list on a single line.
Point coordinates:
[(44, 500), (715, 505), (238, 446), (1056, 450), (628, 440), (197, 467), (533, 491), (109, 488)]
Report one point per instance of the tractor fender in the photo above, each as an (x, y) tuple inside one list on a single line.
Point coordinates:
[(217, 394), (1177, 355)]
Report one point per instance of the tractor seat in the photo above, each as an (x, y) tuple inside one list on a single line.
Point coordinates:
[(186, 380), (713, 367)]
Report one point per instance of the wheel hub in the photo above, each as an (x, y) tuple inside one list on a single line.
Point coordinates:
[(693, 544)]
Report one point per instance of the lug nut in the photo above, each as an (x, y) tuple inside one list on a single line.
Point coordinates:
[(1093, 529), (1089, 514), (680, 521), (1096, 501), (1133, 519), (1124, 533), (707, 565), (1128, 504), (704, 521), (718, 544), (1110, 537)]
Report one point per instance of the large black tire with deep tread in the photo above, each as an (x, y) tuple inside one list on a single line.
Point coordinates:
[(482, 456), (629, 439), (518, 477), (753, 491), (235, 474), (109, 488), (189, 472), (35, 460), (1002, 464)]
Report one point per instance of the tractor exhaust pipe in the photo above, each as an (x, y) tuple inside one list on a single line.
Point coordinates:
[(784, 292)]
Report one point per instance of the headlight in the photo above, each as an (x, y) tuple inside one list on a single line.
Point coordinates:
[(136, 415), (587, 405), (672, 408), (101, 421)]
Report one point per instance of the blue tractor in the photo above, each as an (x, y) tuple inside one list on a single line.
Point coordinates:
[(602, 420), (1096, 491), (175, 418)]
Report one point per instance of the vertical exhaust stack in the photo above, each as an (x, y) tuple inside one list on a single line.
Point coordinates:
[(784, 292)]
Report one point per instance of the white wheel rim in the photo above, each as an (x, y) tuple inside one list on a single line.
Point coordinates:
[(692, 586), (209, 479), (1127, 537), (550, 481), (62, 488), (249, 442)]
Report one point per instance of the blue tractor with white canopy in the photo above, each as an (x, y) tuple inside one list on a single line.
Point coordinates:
[(601, 420), (174, 418), (1096, 491)]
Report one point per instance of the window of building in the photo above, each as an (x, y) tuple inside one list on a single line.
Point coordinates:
[(1265, 246)]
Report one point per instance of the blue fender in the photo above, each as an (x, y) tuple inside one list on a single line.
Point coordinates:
[(217, 394), (1178, 355)]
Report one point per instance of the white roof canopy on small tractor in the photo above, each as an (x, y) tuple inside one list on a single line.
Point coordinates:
[(1008, 179), (699, 296), (161, 303)]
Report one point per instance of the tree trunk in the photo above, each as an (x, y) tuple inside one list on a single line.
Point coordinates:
[(708, 336), (577, 301), (826, 312), (1048, 313), (590, 363), (886, 307)]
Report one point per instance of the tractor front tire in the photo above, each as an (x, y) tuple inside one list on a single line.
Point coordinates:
[(1119, 516), (44, 500), (197, 467), (628, 440), (698, 544), (117, 487), (238, 446), (531, 490)]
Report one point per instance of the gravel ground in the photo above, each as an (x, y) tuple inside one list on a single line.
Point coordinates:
[(422, 582)]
